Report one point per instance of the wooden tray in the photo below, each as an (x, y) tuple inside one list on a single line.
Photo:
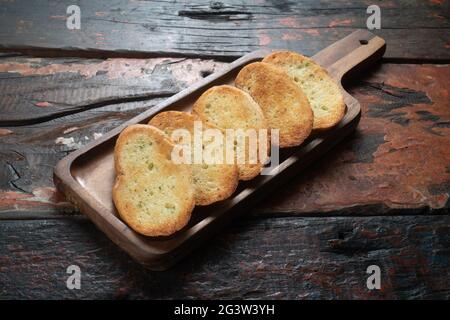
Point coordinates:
[(86, 176)]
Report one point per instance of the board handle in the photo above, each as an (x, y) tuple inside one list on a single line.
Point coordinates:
[(353, 53)]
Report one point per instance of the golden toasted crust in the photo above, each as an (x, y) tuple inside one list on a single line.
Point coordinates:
[(228, 107), (323, 93), (153, 195), (212, 182), (284, 105)]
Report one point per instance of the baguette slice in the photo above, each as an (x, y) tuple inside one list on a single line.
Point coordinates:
[(323, 93), (153, 195), (228, 107), (285, 106), (212, 182)]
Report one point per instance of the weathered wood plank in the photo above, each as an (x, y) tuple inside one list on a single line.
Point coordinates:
[(228, 29), (33, 89), (398, 159), (28, 155), (286, 258)]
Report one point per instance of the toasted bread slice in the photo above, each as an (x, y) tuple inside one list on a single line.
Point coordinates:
[(323, 93), (228, 107), (153, 195), (212, 182), (284, 105)]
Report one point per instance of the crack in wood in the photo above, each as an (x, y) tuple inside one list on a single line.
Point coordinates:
[(226, 15), (82, 108), (15, 177)]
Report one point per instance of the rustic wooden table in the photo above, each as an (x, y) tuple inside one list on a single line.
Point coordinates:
[(379, 198)]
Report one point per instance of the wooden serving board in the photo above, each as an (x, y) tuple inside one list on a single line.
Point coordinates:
[(87, 175)]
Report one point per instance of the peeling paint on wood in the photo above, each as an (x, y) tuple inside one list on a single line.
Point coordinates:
[(4, 132), (43, 104), (41, 199), (340, 23), (389, 164), (113, 68), (398, 162), (57, 86), (393, 158)]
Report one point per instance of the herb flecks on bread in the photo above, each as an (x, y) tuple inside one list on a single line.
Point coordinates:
[(153, 195)]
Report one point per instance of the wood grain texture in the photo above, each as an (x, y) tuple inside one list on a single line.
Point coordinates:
[(53, 93), (226, 29), (284, 258), (35, 90), (398, 159), (397, 163)]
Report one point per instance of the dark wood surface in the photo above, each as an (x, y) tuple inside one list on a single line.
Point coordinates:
[(290, 257), (381, 197), (226, 29)]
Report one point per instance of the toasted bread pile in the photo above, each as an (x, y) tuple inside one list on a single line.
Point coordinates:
[(155, 195)]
